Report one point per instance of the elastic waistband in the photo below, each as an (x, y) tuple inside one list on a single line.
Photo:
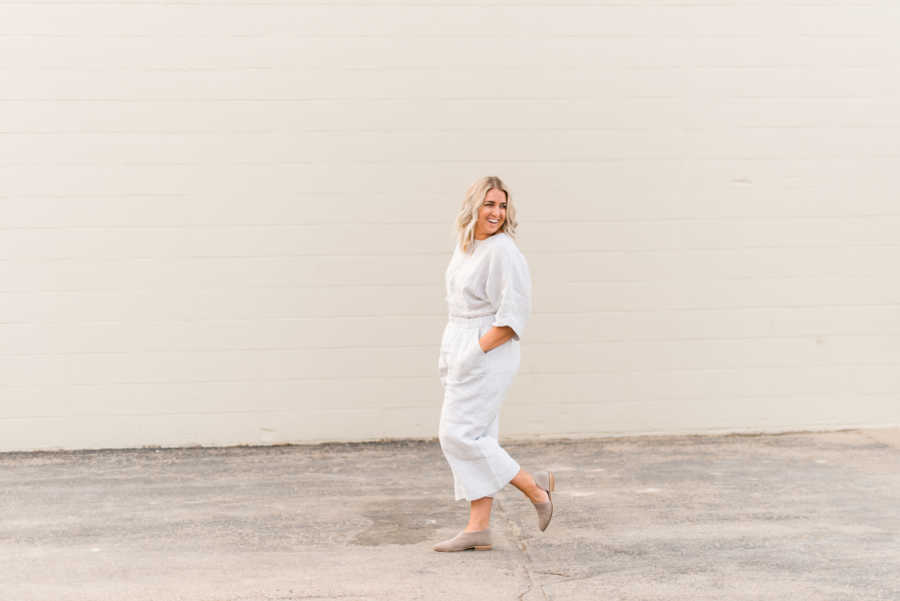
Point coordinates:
[(472, 322)]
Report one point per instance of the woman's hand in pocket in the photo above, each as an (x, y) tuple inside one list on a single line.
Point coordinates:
[(494, 337)]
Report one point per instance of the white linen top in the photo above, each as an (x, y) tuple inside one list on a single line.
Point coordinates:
[(493, 279)]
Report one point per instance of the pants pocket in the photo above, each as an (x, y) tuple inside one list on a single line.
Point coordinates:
[(478, 356), (444, 351), (464, 356), (478, 334), (442, 367)]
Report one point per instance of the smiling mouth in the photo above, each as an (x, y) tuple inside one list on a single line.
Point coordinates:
[(493, 221)]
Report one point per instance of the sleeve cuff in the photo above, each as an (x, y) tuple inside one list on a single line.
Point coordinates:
[(516, 327)]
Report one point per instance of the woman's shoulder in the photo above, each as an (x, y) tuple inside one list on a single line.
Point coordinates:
[(506, 241), (501, 239), (505, 244)]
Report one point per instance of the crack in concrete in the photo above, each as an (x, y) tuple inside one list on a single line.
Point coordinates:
[(512, 527)]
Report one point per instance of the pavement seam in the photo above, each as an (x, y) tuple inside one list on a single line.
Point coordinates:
[(512, 527)]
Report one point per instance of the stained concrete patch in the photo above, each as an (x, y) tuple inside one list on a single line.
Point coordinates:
[(402, 522), (886, 436)]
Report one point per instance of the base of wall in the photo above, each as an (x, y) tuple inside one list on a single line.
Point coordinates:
[(888, 433)]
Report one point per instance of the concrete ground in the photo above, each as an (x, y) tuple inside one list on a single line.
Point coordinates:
[(794, 516)]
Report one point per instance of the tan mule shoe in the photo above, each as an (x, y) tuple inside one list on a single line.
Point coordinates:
[(544, 510), (480, 540)]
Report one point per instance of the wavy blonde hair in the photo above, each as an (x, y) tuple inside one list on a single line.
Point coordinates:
[(468, 213)]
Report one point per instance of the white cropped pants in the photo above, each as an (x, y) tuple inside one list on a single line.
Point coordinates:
[(475, 384)]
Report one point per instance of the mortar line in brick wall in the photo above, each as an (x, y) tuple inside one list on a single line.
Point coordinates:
[(742, 219), (431, 253), (345, 377), (580, 342), (580, 313), (441, 317)]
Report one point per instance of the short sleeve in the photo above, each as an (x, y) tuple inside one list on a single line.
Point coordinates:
[(508, 287)]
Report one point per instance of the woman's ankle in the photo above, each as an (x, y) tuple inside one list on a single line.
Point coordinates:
[(537, 495)]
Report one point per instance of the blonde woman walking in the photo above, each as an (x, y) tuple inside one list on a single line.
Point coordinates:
[(489, 298)]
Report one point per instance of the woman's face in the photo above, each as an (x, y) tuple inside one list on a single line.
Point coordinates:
[(491, 214)]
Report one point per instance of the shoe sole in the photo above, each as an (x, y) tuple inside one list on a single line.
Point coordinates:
[(475, 548), (552, 486)]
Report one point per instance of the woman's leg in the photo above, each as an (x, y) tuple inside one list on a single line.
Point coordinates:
[(525, 482), (479, 514), (480, 509)]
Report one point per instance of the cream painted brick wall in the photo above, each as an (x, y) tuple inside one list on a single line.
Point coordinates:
[(227, 223)]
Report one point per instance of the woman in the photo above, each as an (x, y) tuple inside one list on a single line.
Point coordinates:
[(489, 297)]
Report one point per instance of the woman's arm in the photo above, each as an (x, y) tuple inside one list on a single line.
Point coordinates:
[(494, 337), (508, 288)]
